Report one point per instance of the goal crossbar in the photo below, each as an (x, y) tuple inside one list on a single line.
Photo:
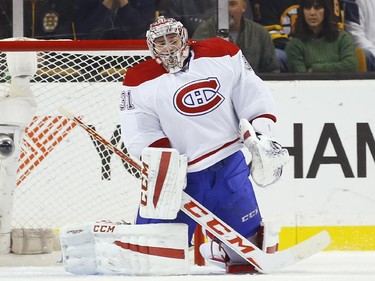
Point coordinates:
[(26, 44)]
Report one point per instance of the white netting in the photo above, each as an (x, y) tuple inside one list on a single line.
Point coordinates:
[(64, 176)]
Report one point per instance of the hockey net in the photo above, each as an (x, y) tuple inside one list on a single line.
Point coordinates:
[(64, 176)]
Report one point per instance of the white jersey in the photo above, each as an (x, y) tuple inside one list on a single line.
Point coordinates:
[(360, 22), (197, 109)]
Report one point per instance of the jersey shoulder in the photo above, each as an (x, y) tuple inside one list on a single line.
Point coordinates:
[(213, 47), (142, 72)]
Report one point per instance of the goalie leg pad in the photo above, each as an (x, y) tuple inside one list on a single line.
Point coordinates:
[(111, 249), (163, 180)]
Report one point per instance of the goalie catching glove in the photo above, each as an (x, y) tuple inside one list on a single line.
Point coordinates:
[(268, 157), (163, 179)]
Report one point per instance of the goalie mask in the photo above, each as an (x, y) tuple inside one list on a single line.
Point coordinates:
[(167, 39)]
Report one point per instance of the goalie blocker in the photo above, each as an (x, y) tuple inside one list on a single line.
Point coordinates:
[(163, 180)]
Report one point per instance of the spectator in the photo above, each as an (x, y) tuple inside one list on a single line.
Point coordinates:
[(318, 45), (191, 13), (252, 38), (278, 17), (114, 19), (360, 22), (5, 19), (49, 19)]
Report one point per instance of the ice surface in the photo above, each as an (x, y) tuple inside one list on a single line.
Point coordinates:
[(325, 266)]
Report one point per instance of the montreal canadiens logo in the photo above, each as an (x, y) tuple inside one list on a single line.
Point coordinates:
[(198, 97)]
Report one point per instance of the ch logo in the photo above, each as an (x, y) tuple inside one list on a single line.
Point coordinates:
[(198, 97)]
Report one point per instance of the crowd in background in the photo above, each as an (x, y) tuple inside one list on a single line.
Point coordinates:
[(274, 35)]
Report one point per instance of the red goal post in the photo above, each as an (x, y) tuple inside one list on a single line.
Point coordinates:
[(64, 176)]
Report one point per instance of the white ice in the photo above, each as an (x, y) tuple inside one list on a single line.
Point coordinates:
[(325, 266)]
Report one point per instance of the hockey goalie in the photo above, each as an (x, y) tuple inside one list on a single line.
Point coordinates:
[(190, 98), (188, 113)]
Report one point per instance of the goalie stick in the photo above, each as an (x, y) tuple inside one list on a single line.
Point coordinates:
[(262, 261)]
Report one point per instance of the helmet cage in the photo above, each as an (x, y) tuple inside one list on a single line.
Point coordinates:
[(174, 49)]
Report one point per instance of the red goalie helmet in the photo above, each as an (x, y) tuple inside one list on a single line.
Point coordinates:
[(167, 39)]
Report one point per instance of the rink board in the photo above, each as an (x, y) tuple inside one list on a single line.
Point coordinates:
[(329, 183)]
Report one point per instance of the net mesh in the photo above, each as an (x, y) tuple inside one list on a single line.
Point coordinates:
[(64, 175)]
